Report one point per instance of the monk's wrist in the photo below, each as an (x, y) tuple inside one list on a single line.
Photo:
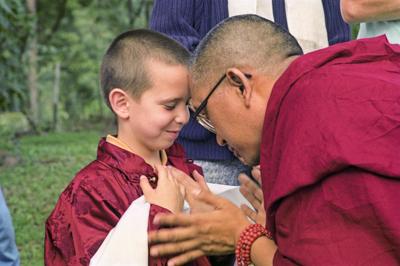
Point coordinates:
[(263, 251)]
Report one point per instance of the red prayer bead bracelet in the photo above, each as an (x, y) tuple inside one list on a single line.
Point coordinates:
[(246, 240)]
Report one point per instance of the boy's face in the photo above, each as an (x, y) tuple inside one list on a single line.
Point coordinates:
[(156, 118)]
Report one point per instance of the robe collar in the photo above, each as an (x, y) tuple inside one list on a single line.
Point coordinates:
[(132, 166), (119, 143)]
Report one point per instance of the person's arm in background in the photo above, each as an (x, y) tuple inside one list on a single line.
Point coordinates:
[(8, 249), (354, 11), (177, 18)]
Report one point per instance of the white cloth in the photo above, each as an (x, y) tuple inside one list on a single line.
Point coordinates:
[(305, 19), (127, 244)]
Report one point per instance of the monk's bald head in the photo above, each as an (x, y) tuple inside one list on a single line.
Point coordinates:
[(246, 40)]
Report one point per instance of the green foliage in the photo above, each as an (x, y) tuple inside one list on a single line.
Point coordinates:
[(74, 33), (354, 30), (85, 32), (12, 123), (14, 28), (33, 187)]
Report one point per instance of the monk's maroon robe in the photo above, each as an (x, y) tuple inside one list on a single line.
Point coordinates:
[(330, 157), (96, 199)]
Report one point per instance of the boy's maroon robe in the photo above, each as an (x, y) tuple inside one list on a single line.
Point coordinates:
[(330, 157), (96, 199)]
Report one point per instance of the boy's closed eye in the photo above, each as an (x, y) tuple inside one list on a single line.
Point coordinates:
[(170, 106)]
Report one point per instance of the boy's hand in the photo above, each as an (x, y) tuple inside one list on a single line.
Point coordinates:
[(192, 189), (168, 193), (253, 193)]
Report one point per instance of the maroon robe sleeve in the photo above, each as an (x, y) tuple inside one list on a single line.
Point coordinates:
[(78, 225), (154, 210)]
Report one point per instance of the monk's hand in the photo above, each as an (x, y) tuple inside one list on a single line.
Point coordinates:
[(194, 235), (168, 194), (253, 193), (193, 187)]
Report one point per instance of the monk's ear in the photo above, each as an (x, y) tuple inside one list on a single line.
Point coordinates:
[(119, 101), (241, 81)]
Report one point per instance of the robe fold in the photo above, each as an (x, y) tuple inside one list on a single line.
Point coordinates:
[(96, 199), (330, 157)]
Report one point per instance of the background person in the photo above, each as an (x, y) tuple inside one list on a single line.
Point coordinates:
[(376, 16), (9, 255)]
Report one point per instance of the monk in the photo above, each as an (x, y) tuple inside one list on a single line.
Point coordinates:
[(325, 128)]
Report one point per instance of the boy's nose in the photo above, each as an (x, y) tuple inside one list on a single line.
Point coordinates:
[(183, 116)]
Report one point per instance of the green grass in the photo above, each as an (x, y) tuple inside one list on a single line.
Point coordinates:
[(32, 187)]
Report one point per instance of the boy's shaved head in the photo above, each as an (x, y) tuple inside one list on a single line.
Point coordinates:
[(124, 65), (246, 40)]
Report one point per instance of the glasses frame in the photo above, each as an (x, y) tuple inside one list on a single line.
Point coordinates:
[(202, 119), (205, 101)]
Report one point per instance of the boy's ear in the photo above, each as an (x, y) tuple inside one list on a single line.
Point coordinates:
[(242, 81), (119, 102)]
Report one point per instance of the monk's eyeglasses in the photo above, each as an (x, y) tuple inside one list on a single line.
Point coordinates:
[(199, 115)]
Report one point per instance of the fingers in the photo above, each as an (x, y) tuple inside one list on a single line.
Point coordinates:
[(190, 197), (179, 175), (251, 198), (170, 175), (184, 180), (249, 212), (259, 195), (256, 173), (161, 172), (186, 257), (200, 180), (145, 185), (172, 235), (174, 247), (251, 187), (245, 180), (174, 219), (209, 198), (191, 186)]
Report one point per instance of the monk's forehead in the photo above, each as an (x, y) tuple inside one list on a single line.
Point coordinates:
[(198, 91)]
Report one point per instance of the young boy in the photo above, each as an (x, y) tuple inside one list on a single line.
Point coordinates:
[(144, 78)]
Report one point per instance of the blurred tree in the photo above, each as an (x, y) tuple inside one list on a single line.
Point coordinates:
[(38, 36), (14, 25), (32, 63)]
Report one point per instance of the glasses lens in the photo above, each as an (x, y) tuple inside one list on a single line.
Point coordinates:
[(202, 119), (206, 123)]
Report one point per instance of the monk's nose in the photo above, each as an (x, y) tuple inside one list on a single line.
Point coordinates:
[(220, 141)]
